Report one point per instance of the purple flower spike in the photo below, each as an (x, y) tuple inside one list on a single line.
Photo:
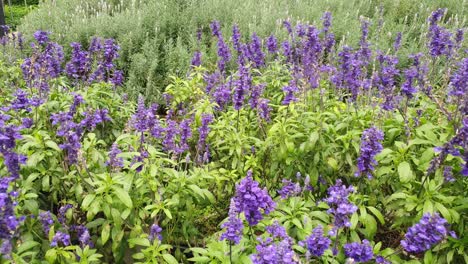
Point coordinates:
[(252, 200), (359, 252), (370, 146), (233, 225), (430, 230)]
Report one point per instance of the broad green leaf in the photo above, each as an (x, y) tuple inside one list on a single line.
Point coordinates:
[(105, 233), (169, 259), (405, 172), (123, 196)]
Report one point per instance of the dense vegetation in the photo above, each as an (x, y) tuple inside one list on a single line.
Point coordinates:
[(281, 141), (157, 38)]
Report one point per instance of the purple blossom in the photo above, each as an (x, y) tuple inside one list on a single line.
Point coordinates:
[(84, 236), (222, 95), (242, 86), (60, 237), (459, 81), (271, 252), (264, 109), (204, 130), (440, 39), (382, 260), (215, 28), (46, 220), (359, 252), (288, 27), (42, 37), (155, 233), (430, 230), (290, 91), (255, 51), (350, 72), (370, 146), (397, 43), (289, 189), (252, 200), (115, 161), (236, 37), (365, 52), (340, 206), (62, 211), (96, 45), (385, 79), (327, 22), (196, 59), (117, 78), (272, 44), (79, 66), (317, 243), (448, 175), (233, 225), (278, 231), (255, 93)]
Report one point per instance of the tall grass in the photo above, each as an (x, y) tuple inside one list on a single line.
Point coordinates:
[(157, 38)]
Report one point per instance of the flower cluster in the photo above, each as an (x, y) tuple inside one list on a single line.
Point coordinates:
[(233, 225), (289, 189), (277, 248), (155, 233), (430, 230), (370, 146), (360, 252), (340, 206), (316, 243), (252, 200)]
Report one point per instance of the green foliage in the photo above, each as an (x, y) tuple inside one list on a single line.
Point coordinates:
[(158, 37)]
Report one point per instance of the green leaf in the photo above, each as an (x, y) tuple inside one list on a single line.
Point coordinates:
[(51, 144), (444, 211), (428, 259), (123, 196), (139, 241), (87, 201), (105, 233), (26, 246), (169, 259), (405, 172), (377, 214)]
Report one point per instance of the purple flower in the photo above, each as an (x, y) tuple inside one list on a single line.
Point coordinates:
[(359, 252), (114, 161), (440, 39), (155, 233), (60, 237), (196, 59), (448, 175), (288, 26), (340, 206), (255, 94), (430, 230), (385, 79), (272, 44), (83, 236), (233, 225), (242, 86), (317, 243), (364, 49), (289, 189), (382, 260), (255, 51), (349, 74), (370, 146), (46, 220), (459, 81), (271, 252), (263, 109), (42, 37), (236, 36), (79, 66), (117, 78), (62, 211), (327, 21), (215, 28), (397, 43), (290, 91), (204, 130), (252, 200)]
